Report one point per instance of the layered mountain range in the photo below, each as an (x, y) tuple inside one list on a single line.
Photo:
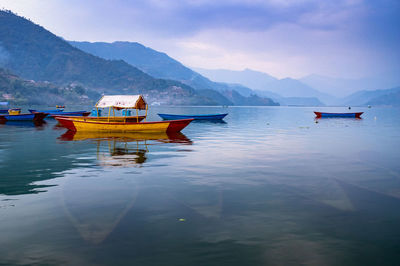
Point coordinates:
[(40, 67), (34, 54)]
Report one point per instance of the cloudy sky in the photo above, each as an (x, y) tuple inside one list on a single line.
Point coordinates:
[(338, 38)]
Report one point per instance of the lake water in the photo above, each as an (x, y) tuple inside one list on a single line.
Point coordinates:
[(269, 186)]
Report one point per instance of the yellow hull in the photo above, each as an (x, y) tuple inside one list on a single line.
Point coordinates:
[(105, 126), (146, 127)]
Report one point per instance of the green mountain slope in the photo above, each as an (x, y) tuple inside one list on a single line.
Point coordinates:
[(33, 53), (19, 91)]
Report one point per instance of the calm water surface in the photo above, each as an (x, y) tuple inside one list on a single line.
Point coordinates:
[(270, 186)]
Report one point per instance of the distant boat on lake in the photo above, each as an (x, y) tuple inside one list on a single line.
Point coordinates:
[(36, 117), (348, 115), (60, 112), (195, 117)]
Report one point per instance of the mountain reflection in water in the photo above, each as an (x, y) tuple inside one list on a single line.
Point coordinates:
[(268, 187)]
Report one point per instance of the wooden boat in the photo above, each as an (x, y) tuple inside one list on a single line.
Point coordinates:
[(60, 112), (74, 113), (195, 117), (120, 124), (46, 111), (24, 117), (105, 126), (348, 115)]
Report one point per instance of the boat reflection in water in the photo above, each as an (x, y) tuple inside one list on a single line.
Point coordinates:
[(121, 152), (37, 124), (87, 190)]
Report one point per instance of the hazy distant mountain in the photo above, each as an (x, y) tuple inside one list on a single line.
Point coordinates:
[(160, 65), (260, 81), (34, 53), (301, 101), (295, 101), (388, 97), (340, 87), (253, 79)]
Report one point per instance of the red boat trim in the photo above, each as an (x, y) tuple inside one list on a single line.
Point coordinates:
[(174, 125), (178, 125), (65, 122)]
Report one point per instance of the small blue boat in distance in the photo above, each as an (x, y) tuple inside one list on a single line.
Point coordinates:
[(36, 117), (60, 112), (55, 111), (195, 117), (351, 115)]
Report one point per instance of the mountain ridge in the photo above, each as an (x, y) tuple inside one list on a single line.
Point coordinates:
[(383, 97), (160, 65), (260, 81), (33, 53)]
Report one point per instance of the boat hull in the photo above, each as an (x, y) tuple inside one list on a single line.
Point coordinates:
[(66, 114), (344, 115), (195, 117), (55, 111), (160, 126), (36, 117)]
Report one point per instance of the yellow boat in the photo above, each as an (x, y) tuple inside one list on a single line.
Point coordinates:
[(114, 123)]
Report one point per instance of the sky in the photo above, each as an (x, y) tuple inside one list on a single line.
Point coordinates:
[(284, 38)]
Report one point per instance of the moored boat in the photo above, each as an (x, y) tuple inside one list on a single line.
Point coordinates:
[(104, 126), (60, 112), (36, 117), (122, 102), (74, 113), (348, 115), (195, 117), (46, 111)]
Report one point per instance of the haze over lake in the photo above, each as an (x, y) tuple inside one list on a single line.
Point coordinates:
[(267, 186)]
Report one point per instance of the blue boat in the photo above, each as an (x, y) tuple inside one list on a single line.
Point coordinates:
[(60, 112), (55, 111), (23, 117), (195, 117), (351, 115), (75, 113)]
